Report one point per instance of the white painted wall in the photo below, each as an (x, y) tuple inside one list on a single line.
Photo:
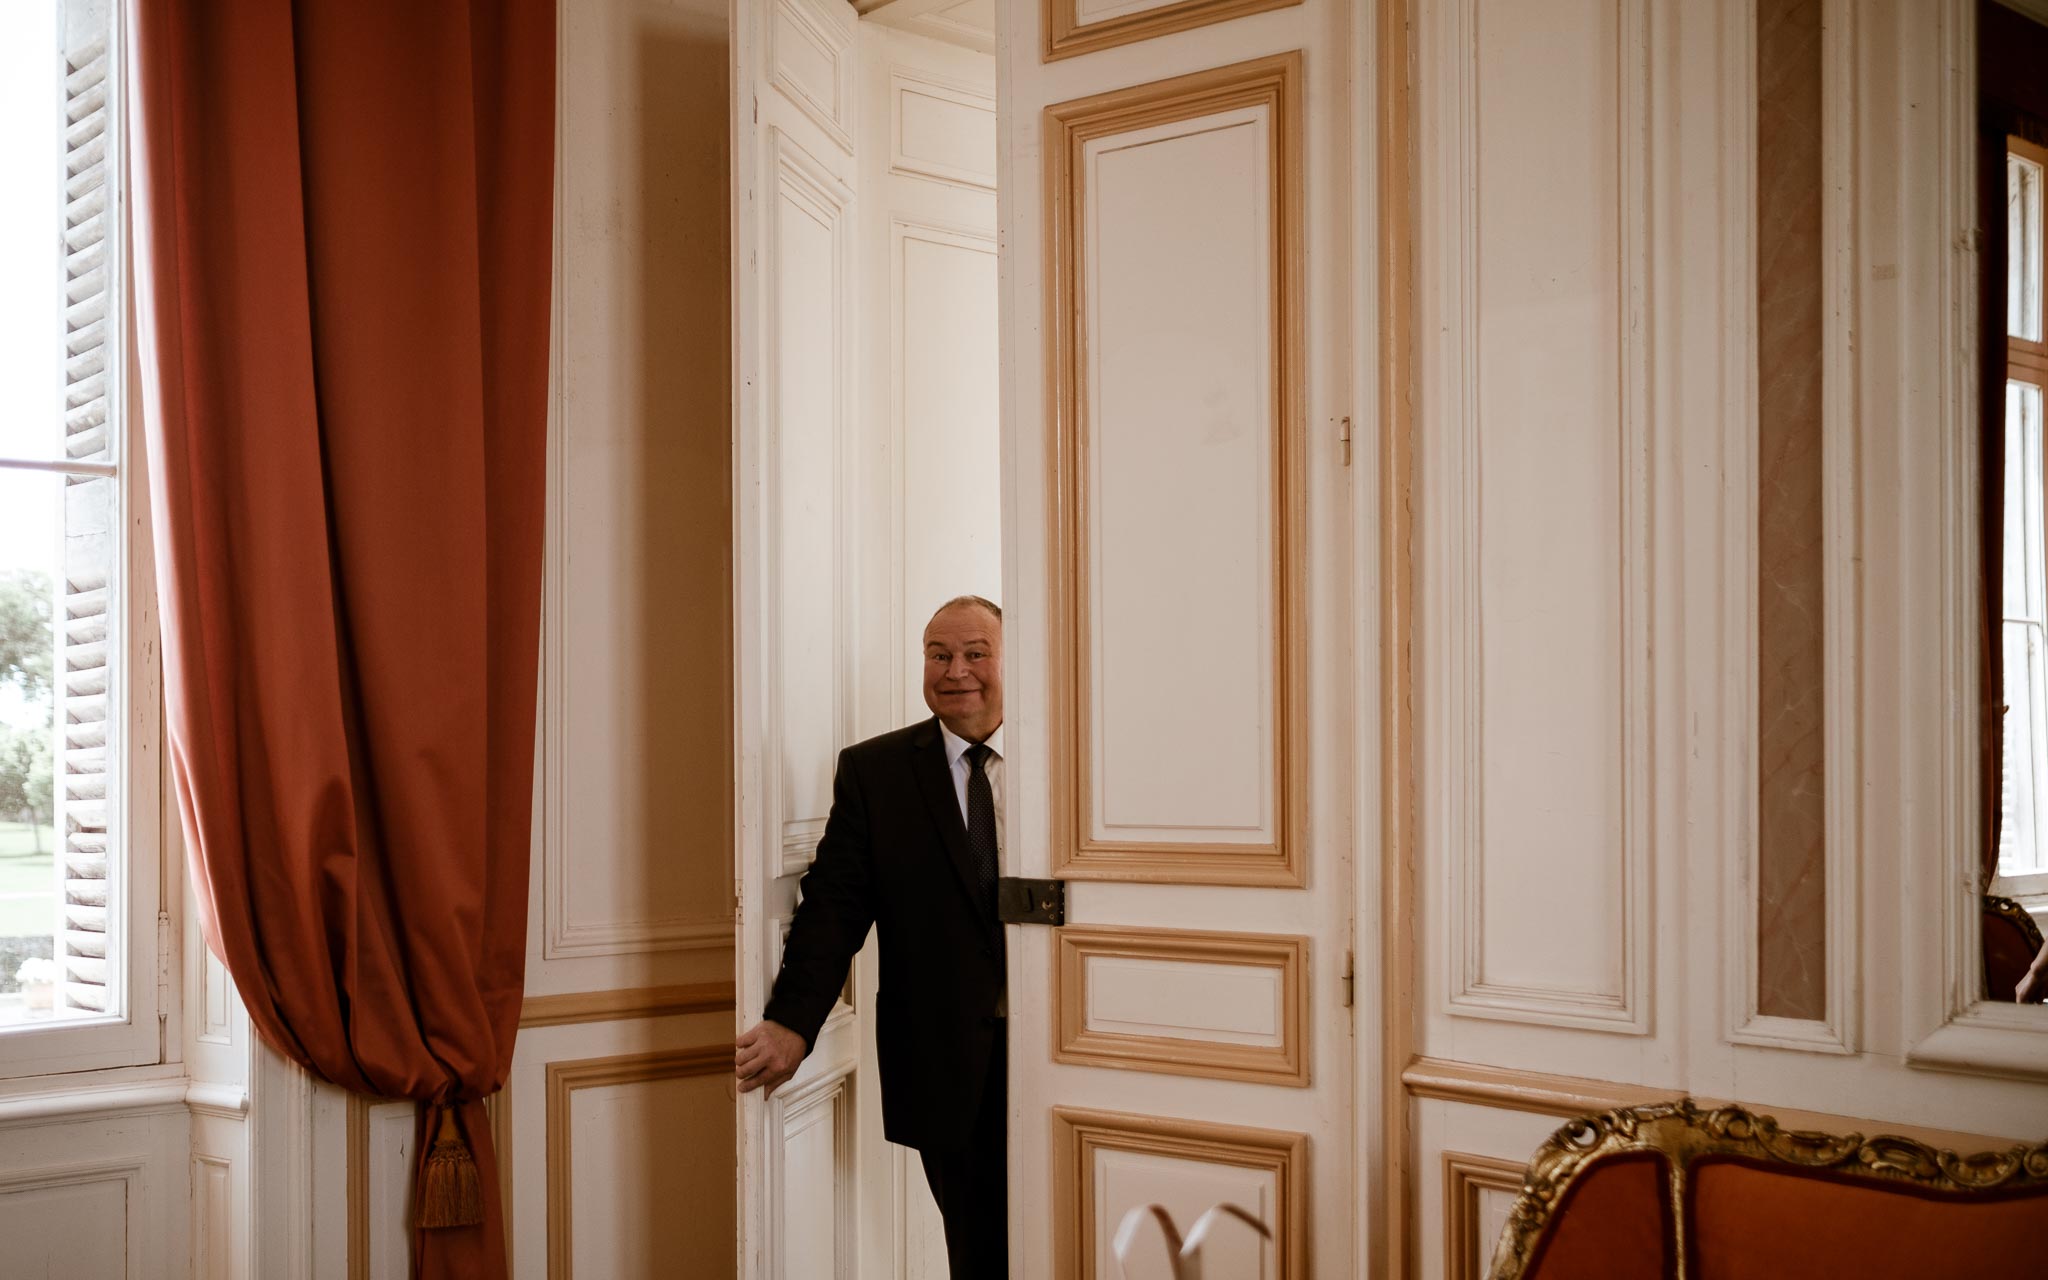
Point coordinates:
[(1585, 319)]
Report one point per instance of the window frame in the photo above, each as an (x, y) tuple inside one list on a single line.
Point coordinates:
[(142, 938)]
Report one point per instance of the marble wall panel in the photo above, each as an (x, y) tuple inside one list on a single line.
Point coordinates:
[(1791, 834)]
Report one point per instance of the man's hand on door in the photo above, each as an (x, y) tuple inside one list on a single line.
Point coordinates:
[(766, 1057)]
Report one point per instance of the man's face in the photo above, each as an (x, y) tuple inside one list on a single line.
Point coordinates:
[(963, 670)]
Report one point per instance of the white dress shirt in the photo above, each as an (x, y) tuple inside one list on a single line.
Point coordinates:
[(956, 762)]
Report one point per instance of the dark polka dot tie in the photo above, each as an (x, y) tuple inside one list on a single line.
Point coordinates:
[(981, 824)]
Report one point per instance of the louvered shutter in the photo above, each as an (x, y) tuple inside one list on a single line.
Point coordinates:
[(83, 674)]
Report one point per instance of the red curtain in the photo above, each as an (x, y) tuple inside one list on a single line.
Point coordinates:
[(343, 230)]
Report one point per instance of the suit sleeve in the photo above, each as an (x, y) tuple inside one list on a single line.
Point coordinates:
[(835, 909)]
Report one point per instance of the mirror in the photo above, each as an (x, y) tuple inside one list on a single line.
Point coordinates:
[(2012, 193)]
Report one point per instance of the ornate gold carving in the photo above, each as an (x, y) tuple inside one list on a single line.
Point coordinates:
[(1682, 1132), (2021, 918)]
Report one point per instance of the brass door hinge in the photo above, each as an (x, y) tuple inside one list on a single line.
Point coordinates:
[(1344, 442), (1348, 981)]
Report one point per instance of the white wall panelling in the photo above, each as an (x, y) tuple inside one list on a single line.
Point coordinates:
[(99, 1195), (391, 1157), (632, 877), (942, 317), (941, 129), (76, 1221), (214, 1218), (1538, 508), (968, 24)]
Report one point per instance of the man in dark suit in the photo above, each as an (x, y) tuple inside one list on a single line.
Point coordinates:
[(912, 848)]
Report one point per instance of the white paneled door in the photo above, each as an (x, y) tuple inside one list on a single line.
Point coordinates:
[(1178, 345), (794, 74), (1187, 617)]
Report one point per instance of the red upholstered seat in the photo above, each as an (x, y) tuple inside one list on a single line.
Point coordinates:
[(1756, 1221), (1614, 1223), (1759, 1202)]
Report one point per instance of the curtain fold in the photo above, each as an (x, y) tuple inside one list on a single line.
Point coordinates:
[(343, 236)]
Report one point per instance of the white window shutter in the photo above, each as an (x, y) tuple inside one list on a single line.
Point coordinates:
[(82, 671)]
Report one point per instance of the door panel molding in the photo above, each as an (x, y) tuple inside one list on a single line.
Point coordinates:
[(1269, 825), (1278, 960), (1080, 1135), (1067, 35)]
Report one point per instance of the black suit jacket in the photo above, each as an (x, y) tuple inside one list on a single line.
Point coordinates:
[(894, 855)]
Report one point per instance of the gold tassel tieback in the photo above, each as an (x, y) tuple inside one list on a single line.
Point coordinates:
[(451, 1194)]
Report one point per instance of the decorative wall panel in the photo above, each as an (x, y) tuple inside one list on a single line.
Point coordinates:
[(635, 818), (1542, 511), (611, 1130), (1478, 1192), (73, 1220), (942, 131), (945, 366)]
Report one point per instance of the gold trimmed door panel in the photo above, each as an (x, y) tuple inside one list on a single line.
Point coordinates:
[(1179, 333)]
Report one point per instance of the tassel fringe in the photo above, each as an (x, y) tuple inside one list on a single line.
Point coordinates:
[(450, 1191)]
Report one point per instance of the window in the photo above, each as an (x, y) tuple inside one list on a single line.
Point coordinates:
[(2023, 827), (79, 873)]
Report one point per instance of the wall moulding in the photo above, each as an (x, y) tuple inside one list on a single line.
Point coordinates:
[(907, 83), (1281, 960), (1568, 1097), (1265, 93), (1067, 34), (1467, 1249), (1611, 991), (1079, 1136), (564, 1080), (617, 1006)]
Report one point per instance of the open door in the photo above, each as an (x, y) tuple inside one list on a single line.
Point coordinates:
[(1178, 347), (1175, 302), (793, 79)]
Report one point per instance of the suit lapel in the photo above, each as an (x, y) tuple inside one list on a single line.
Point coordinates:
[(935, 781)]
